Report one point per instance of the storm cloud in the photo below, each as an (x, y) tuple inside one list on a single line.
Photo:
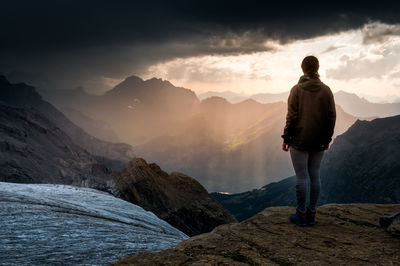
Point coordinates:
[(64, 44)]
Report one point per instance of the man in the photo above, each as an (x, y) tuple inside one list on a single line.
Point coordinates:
[(310, 122)]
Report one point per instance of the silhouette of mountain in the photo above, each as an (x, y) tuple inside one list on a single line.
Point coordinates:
[(232, 97), (353, 104), (22, 95), (270, 97), (350, 102), (176, 198), (137, 109), (361, 166)]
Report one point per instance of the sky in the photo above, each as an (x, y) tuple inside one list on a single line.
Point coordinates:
[(247, 47)]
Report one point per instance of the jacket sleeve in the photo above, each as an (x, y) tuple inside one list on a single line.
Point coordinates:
[(331, 118), (291, 117)]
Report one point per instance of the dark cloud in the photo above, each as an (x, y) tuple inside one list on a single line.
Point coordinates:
[(379, 33), (66, 43)]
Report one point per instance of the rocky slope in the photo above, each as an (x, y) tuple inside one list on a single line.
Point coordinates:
[(64, 225), (97, 128), (176, 198), (344, 235), (35, 150), (22, 95), (361, 166)]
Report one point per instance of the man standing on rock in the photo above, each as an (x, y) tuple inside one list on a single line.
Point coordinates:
[(310, 122)]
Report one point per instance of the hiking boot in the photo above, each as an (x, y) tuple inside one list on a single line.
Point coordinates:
[(310, 217), (298, 218)]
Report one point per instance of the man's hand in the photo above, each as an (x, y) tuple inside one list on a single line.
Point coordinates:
[(285, 147), (327, 147)]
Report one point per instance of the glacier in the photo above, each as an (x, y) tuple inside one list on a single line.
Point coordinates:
[(60, 224)]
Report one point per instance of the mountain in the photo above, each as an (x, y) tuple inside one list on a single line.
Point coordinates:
[(176, 198), (350, 102), (232, 97), (371, 169), (361, 166), (65, 225), (270, 97), (34, 150), (22, 95), (380, 99), (229, 147), (344, 235), (360, 107), (138, 110)]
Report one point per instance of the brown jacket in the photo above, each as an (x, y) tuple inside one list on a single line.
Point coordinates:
[(311, 115)]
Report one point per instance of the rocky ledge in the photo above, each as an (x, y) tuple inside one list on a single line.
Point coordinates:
[(345, 234), (176, 198)]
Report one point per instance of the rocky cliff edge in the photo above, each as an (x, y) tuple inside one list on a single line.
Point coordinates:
[(345, 234)]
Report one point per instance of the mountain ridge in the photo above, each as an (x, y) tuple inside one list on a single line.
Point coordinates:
[(22, 95)]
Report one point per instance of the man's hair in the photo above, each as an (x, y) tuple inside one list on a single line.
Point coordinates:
[(310, 65)]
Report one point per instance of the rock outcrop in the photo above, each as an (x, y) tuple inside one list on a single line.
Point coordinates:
[(176, 198), (344, 235), (391, 221), (65, 225)]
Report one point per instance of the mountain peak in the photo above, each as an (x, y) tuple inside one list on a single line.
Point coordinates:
[(216, 100), (156, 81), (345, 93), (133, 79), (125, 86), (19, 93), (249, 101)]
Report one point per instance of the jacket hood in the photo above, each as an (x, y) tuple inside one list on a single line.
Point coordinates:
[(310, 83)]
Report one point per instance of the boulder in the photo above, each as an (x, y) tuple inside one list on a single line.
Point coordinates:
[(176, 198), (391, 221)]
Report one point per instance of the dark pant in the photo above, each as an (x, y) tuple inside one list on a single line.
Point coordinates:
[(306, 164)]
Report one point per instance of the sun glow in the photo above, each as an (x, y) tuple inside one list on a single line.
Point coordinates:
[(352, 61)]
